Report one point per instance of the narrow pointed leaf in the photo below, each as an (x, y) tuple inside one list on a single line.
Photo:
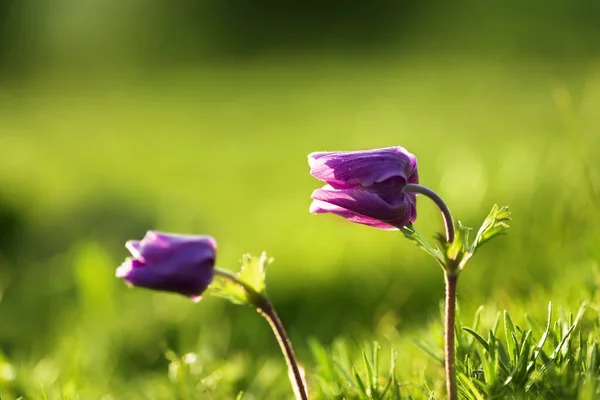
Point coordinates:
[(411, 233), (495, 224)]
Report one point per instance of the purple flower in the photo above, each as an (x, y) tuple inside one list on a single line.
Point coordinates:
[(170, 262), (366, 187)]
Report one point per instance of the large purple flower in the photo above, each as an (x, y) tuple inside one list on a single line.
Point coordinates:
[(170, 262), (366, 187)]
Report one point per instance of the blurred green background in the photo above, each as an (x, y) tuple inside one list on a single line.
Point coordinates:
[(197, 116)]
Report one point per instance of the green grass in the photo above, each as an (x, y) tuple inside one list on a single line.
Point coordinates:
[(557, 359), (87, 164)]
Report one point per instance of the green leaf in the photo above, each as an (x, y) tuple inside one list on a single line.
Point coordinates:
[(427, 349), (477, 318), (460, 245), (228, 291), (376, 348), (391, 381), (495, 224), (479, 338), (540, 345), (457, 251), (509, 332), (454, 256), (252, 274), (359, 383), (370, 375), (413, 235), (468, 386), (253, 271), (524, 356)]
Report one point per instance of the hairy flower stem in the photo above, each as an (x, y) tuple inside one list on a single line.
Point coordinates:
[(424, 190), (451, 276), (449, 322), (298, 383), (266, 309)]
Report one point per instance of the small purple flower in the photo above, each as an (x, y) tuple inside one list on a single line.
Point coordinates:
[(170, 262), (366, 187)]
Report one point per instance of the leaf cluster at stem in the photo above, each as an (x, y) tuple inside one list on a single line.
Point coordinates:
[(453, 257)]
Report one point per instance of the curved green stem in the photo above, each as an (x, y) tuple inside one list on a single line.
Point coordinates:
[(266, 309), (451, 277), (424, 190)]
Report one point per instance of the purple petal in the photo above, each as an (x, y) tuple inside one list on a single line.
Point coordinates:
[(368, 204), (129, 265), (134, 248), (170, 262), (319, 207), (344, 169), (191, 280), (172, 239), (153, 247)]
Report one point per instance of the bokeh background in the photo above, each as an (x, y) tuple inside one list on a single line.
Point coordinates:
[(196, 116)]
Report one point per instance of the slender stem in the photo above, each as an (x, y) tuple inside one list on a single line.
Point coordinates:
[(266, 309), (424, 190), (451, 275), (449, 321)]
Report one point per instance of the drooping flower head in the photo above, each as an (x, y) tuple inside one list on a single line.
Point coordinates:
[(168, 262), (366, 187)]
